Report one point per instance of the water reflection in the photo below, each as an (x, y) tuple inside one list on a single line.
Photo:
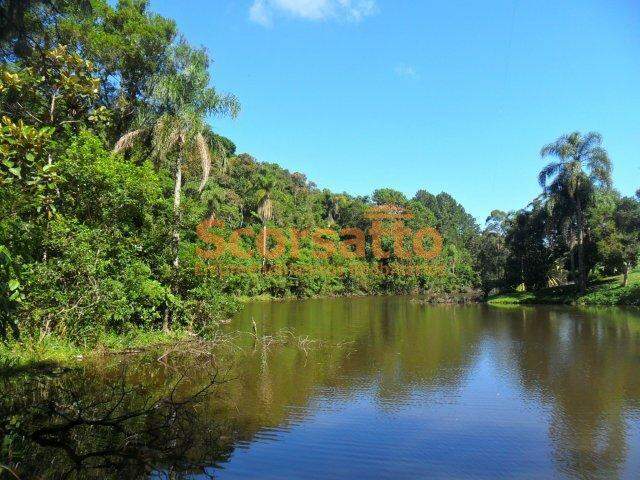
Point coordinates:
[(84, 424), (365, 387)]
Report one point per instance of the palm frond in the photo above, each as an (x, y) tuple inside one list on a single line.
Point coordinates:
[(589, 142), (166, 134), (265, 208), (227, 104), (600, 165), (548, 171), (126, 141), (205, 157), (556, 148)]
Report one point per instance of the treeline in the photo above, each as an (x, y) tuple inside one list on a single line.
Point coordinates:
[(108, 167), (577, 230)]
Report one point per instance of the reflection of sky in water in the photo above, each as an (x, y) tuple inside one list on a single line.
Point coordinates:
[(485, 428), (487, 413), (480, 430)]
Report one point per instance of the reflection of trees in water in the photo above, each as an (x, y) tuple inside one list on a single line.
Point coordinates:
[(78, 425), (386, 345), (583, 364), (104, 423)]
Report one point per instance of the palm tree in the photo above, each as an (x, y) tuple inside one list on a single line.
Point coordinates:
[(331, 205), (580, 165), (180, 100), (264, 211)]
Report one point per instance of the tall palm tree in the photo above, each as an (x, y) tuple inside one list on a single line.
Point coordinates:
[(180, 100), (264, 211), (580, 164)]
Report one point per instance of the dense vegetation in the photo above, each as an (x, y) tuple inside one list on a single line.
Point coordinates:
[(108, 166)]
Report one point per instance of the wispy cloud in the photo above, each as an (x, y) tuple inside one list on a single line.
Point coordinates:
[(264, 11), (406, 71)]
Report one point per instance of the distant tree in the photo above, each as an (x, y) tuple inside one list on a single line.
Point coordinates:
[(264, 210), (452, 220), (388, 196), (580, 164), (497, 222), (491, 260), (530, 256), (331, 204), (628, 226)]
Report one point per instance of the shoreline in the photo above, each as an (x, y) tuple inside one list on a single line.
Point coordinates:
[(55, 351)]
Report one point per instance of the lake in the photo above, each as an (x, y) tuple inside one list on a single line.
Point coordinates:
[(373, 387)]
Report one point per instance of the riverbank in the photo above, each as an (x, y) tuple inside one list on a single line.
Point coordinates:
[(605, 292), (53, 350)]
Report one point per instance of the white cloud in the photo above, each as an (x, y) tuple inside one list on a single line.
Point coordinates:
[(263, 11), (406, 71), (259, 13)]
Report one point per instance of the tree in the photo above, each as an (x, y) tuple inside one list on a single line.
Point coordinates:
[(580, 165), (124, 40), (628, 224), (331, 206), (491, 260), (389, 196), (127, 44), (264, 210), (452, 220), (497, 222), (181, 98), (23, 23), (530, 256)]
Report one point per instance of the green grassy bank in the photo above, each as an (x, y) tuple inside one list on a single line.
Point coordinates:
[(53, 350), (606, 292)]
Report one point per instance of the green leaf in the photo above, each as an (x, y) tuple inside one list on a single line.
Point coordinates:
[(13, 285)]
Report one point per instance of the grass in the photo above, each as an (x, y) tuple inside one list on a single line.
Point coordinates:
[(606, 292), (54, 351)]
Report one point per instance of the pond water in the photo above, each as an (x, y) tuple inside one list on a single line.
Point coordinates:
[(351, 388)]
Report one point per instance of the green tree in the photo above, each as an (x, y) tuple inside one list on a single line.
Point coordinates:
[(580, 164), (389, 196), (452, 220), (181, 99), (530, 256), (616, 223), (26, 25), (491, 260), (331, 204)]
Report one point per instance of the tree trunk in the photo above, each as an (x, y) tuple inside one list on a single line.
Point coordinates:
[(175, 240), (264, 246), (625, 274), (572, 262), (176, 214), (581, 267)]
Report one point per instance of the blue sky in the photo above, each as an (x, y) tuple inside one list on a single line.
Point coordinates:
[(456, 96)]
